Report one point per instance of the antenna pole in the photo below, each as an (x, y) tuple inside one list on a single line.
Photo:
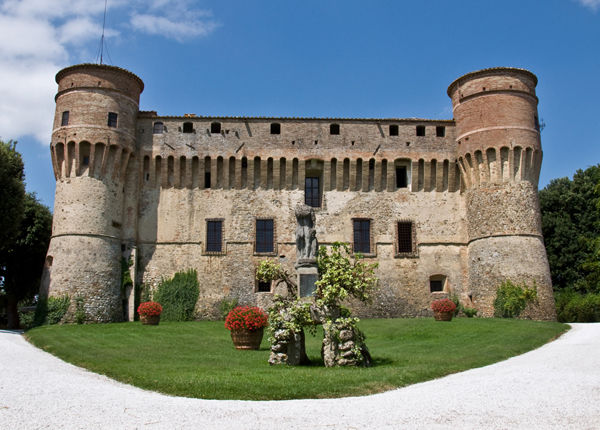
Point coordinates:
[(103, 26)]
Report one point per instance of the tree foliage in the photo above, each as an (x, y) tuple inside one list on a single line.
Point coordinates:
[(570, 226), (23, 262), (12, 193)]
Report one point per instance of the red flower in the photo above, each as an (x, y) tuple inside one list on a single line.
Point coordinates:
[(246, 318), (444, 305), (149, 309)]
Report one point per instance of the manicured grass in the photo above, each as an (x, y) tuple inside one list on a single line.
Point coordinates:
[(197, 359)]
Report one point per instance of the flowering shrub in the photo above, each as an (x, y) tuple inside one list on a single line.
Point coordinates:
[(149, 309), (444, 305), (246, 318)]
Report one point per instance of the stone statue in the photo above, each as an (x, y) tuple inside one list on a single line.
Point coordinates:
[(306, 235)]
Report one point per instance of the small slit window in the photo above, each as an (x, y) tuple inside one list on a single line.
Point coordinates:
[(275, 128), (65, 118), (263, 287), (112, 119), (158, 128), (405, 237), (420, 130), (188, 127), (86, 160), (207, 180), (394, 130), (214, 236), (334, 129), (362, 235), (215, 127), (440, 131)]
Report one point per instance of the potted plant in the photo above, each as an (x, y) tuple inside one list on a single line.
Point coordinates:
[(246, 324), (443, 309), (150, 313)]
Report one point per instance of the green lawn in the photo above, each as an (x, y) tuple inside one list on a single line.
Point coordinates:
[(197, 359)]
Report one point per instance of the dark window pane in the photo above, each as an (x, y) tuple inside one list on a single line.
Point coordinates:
[(401, 178), (311, 192), (275, 128), (207, 180), (264, 287), (86, 160), (334, 129), (393, 130), (440, 131), (362, 236), (420, 130), (188, 127), (65, 119), (158, 128), (405, 243), (215, 127), (112, 119), (213, 236), (264, 235), (436, 286)]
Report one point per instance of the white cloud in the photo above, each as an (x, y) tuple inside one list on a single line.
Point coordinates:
[(39, 37), (592, 4)]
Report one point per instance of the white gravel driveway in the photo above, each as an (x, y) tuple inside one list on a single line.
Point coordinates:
[(554, 387)]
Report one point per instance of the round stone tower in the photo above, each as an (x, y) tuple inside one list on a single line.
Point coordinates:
[(93, 142), (499, 155)]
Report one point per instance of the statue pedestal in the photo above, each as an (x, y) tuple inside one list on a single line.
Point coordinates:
[(308, 274)]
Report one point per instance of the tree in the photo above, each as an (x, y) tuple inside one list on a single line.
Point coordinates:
[(570, 226), (22, 264), (12, 193)]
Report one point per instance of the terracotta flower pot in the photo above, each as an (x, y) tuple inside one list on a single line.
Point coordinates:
[(443, 316), (150, 319), (246, 339)]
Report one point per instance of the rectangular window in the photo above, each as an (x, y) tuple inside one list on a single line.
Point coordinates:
[(214, 236), (86, 160), (275, 128), (393, 130), (206, 179), (263, 287), (436, 286), (362, 235), (158, 128), (112, 119), (311, 192), (188, 127), (264, 235), (405, 237), (65, 119), (401, 177), (215, 127), (440, 131), (420, 130), (334, 129)]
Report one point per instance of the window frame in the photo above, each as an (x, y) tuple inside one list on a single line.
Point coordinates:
[(413, 238), (64, 121), (257, 287), (162, 127), (420, 131), (113, 118), (222, 249), (275, 128), (443, 280), (306, 188), (274, 237), (369, 222), (394, 130), (440, 131), (213, 127), (334, 129), (187, 127)]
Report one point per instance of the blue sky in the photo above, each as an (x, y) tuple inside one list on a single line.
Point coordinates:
[(308, 58)]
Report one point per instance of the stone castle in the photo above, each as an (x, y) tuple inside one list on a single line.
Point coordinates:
[(444, 206)]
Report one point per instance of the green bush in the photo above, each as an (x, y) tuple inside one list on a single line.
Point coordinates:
[(227, 305), (51, 310), (574, 307), (512, 299), (469, 312), (178, 296)]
